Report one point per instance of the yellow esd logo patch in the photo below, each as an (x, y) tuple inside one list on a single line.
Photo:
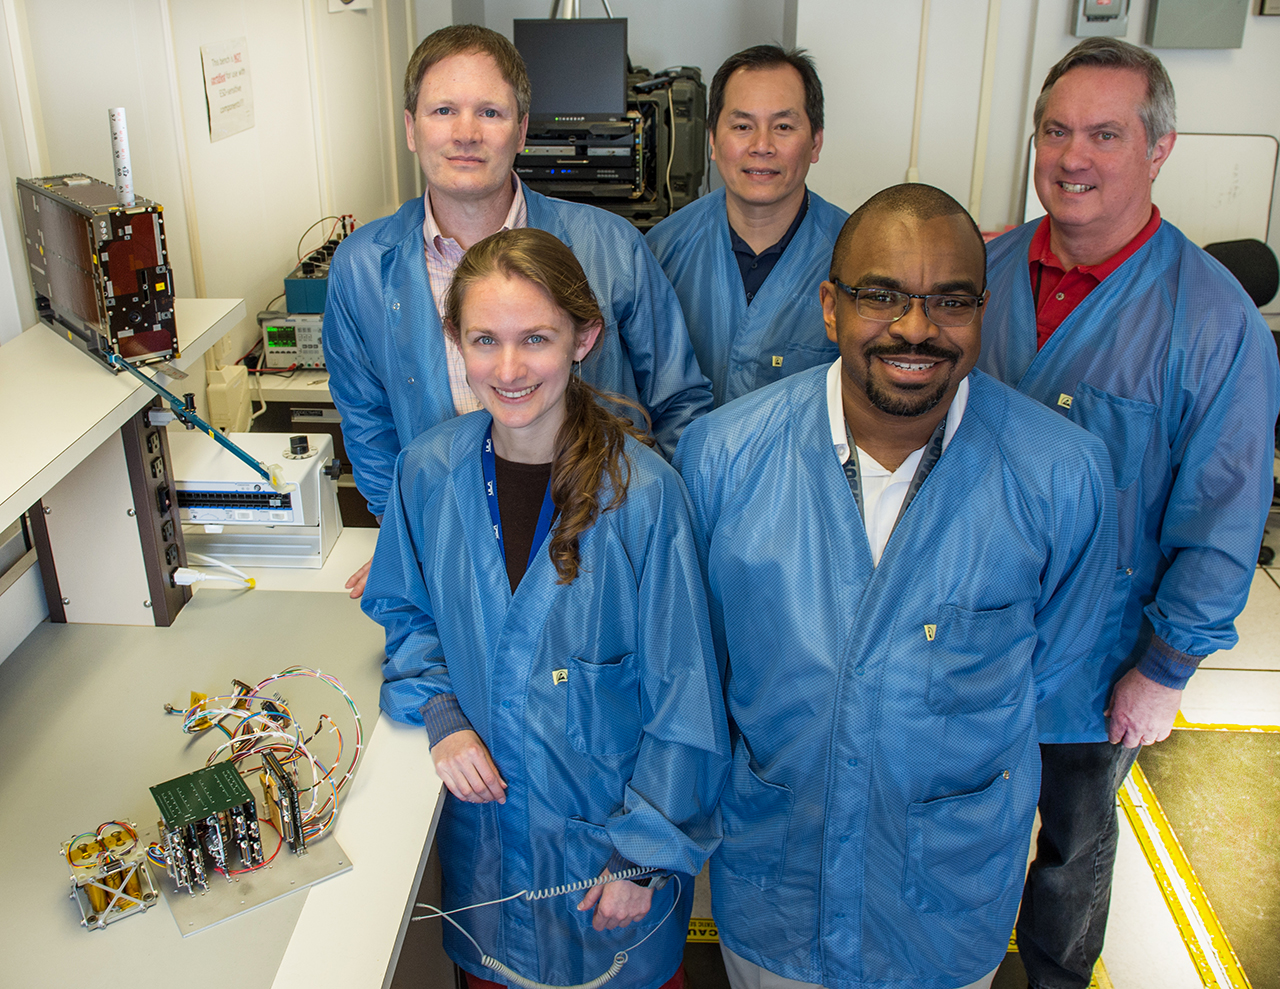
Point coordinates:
[(1064, 401), (930, 631), (777, 360), (559, 676)]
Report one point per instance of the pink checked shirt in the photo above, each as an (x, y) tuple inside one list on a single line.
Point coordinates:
[(443, 256)]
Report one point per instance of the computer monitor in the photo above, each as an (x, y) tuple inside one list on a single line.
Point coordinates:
[(578, 68)]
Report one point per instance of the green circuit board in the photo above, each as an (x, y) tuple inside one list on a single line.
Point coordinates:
[(187, 799)]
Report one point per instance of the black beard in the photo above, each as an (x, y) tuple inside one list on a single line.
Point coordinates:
[(920, 403)]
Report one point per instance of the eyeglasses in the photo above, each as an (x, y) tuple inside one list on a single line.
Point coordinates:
[(888, 306)]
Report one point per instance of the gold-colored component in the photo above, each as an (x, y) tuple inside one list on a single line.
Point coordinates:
[(197, 702), (132, 886), (271, 795), (97, 897), (114, 839), (85, 854)]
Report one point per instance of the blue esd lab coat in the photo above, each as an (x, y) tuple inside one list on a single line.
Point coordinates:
[(1170, 363), (885, 770), (741, 347), (384, 346), (628, 750)]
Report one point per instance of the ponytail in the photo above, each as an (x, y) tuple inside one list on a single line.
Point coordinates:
[(590, 444)]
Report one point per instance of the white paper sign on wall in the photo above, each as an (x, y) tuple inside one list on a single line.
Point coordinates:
[(228, 87)]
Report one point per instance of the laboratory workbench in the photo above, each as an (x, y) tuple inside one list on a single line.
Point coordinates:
[(85, 734)]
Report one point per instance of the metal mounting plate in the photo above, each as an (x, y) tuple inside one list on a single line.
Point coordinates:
[(224, 900)]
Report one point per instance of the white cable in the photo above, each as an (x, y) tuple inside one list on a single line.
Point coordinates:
[(262, 401), (619, 959), (185, 577), (215, 562), (212, 561)]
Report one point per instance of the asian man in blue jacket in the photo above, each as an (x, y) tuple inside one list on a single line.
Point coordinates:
[(747, 260)]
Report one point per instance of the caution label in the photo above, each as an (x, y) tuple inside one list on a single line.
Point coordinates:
[(703, 930)]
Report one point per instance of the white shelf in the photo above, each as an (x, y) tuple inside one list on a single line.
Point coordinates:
[(301, 386), (58, 404)]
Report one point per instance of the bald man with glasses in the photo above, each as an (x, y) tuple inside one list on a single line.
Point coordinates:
[(905, 558)]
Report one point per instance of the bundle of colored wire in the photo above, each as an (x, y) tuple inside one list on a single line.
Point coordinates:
[(97, 847), (271, 727)]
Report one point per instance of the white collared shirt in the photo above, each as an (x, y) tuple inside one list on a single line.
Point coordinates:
[(443, 256), (883, 491)]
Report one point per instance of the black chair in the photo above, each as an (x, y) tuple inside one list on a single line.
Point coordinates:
[(1254, 265)]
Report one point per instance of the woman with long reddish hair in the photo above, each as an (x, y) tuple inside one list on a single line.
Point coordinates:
[(547, 623)]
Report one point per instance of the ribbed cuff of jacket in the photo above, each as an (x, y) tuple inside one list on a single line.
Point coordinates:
[(617, 863), (1166, 666), (442, 716)]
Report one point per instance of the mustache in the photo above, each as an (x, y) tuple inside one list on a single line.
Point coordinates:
[(925, 349)]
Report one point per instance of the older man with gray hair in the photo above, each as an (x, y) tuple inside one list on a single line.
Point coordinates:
[(1111, 317)]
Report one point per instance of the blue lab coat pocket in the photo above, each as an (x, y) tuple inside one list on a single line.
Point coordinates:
[(795, 357), (756, 817), (978, 660), (1123, 424), (603, 713), (587, 850), (962, 849)]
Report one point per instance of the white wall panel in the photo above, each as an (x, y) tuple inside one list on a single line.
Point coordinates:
[(88, 56), (17, 311), (256, 191), (363, 131), (867, 55)]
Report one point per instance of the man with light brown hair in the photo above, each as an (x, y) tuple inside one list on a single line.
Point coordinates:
[(392, 372)]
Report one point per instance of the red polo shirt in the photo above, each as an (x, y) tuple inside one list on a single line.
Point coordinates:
[(1057, 291)]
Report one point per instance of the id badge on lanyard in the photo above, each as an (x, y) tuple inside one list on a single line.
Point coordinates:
[(491, 495)]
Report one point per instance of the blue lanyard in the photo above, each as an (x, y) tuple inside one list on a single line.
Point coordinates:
[(491, 493)]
